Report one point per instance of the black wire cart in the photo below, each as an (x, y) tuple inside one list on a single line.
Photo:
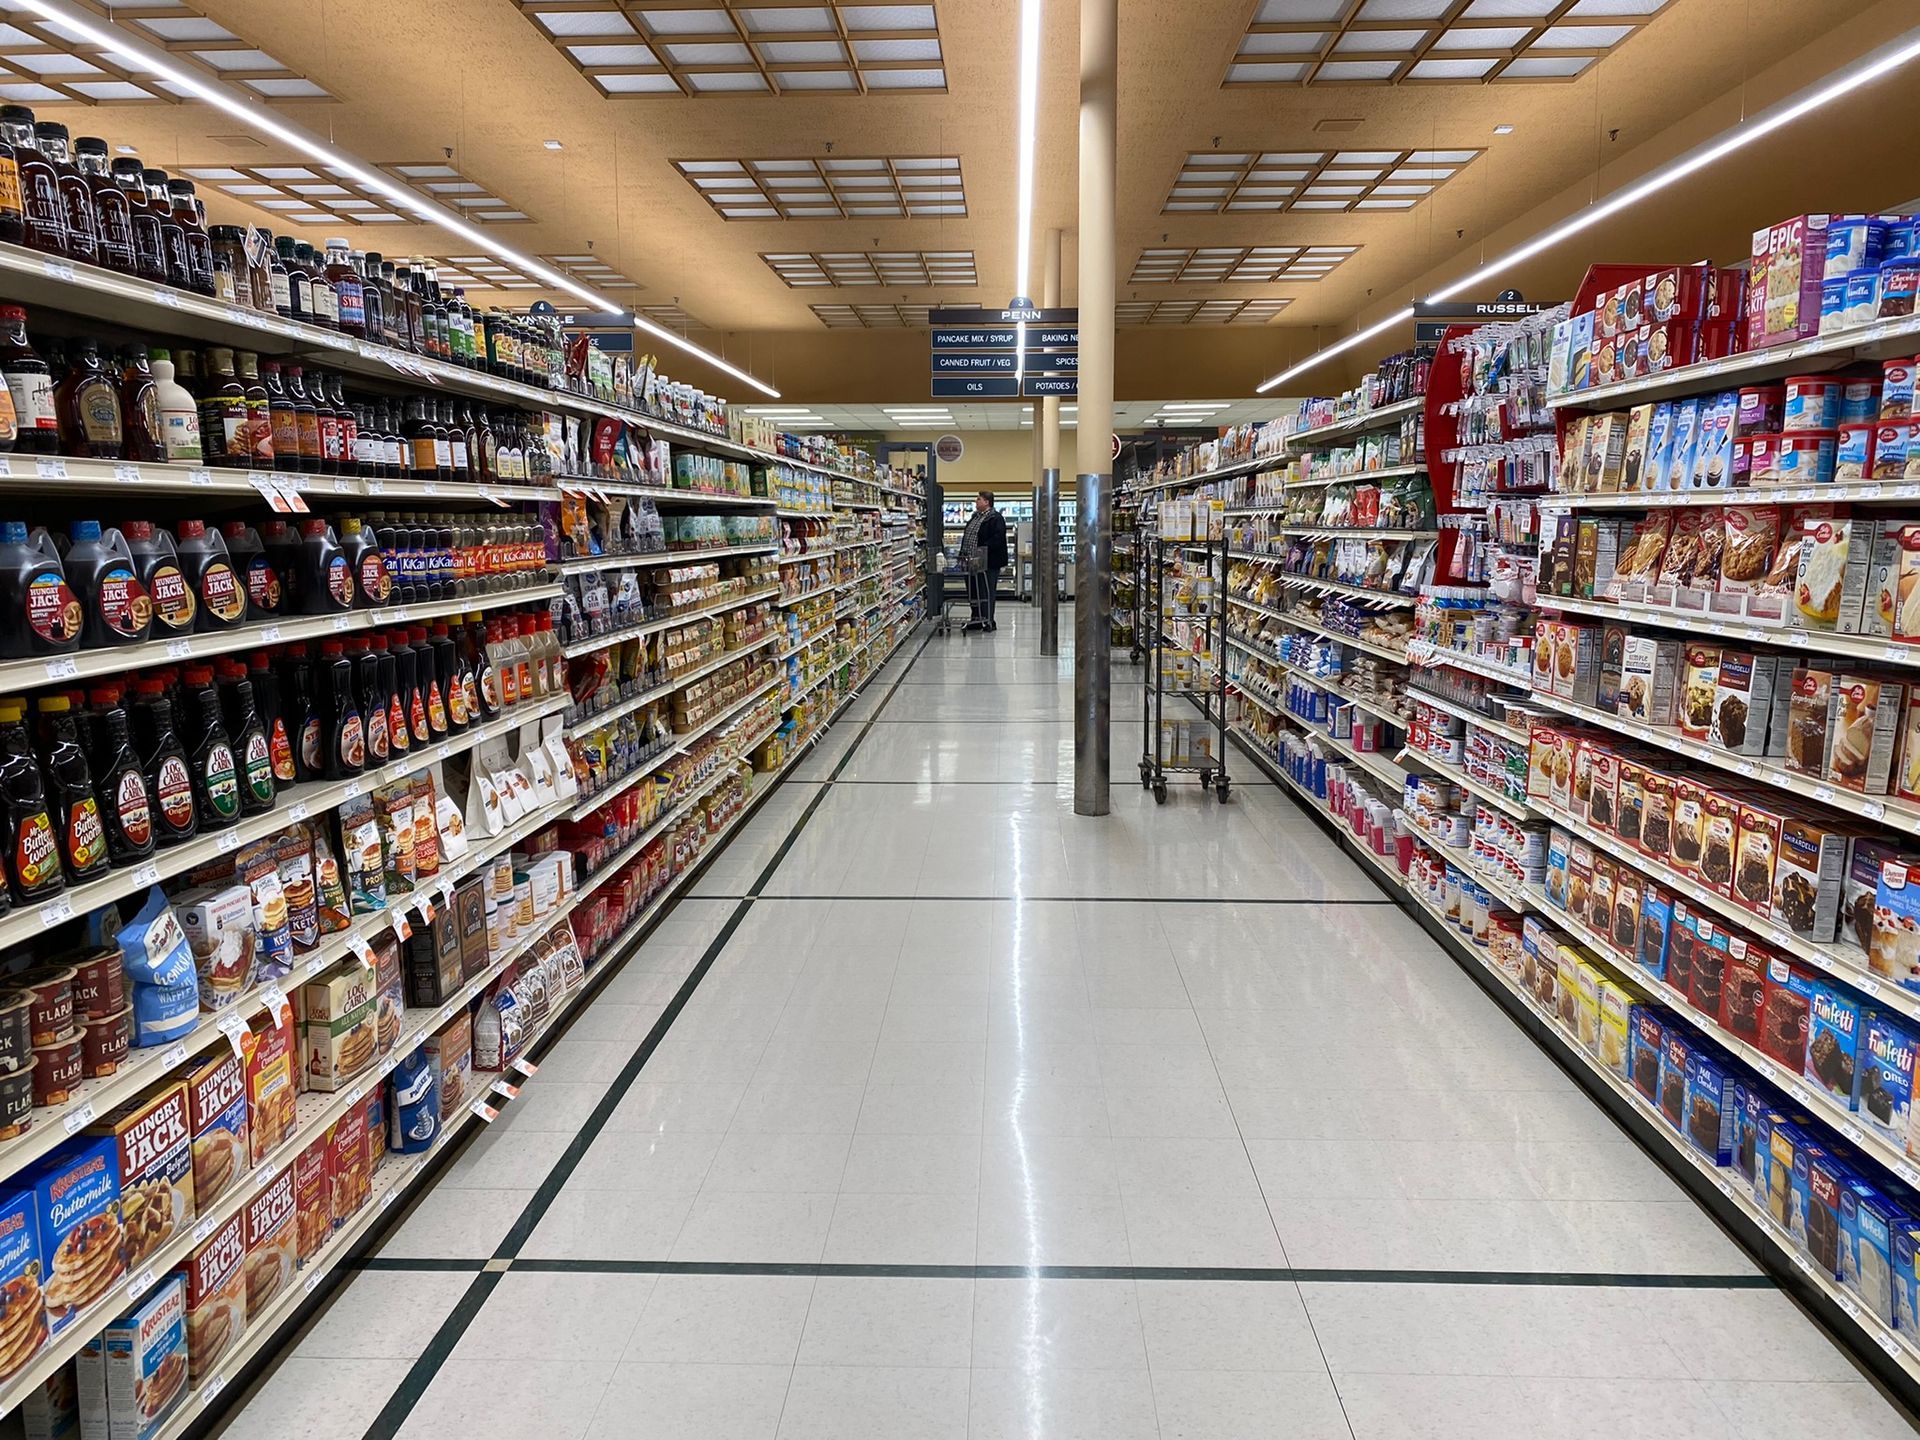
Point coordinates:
[(1207, 623)]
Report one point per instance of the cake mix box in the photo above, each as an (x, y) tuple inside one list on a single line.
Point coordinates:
[(1827, 1177), (1710, 1107), (1656, 924), (1868, 1220), (1807, 876), (1887, 1052), (1675, 1056), (1833, 1041), (1744, 1001), (1756, 845), (1788, 1017), (1861, 890), (1647, 1042)]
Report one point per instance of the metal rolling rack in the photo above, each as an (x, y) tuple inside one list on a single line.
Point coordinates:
[(1150, 630)]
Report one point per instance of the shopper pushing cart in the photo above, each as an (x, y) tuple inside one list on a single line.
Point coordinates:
[(983, 555)]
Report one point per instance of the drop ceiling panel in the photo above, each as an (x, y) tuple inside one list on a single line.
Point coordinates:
[(41, 63), (1388, 42), (714, 47), (1270, 181), (842, 268), (1221, 264), (318, 194), (830, 187)]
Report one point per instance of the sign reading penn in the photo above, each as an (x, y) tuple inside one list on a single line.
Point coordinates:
[(979, 354)]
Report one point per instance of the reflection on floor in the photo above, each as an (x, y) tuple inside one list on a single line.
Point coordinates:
[(955, 1031)]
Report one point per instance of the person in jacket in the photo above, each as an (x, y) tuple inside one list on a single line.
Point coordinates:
[(983, 551)]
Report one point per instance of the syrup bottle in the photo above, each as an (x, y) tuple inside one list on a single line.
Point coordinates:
[(209, 572), (40, 199), (280, 739), (78, 831), (126, 808), (76, 196), (215, 771), (156, 564), (43, 615), (343, 733), (169, 782), (149, 249), (173, 235), (100, 569), (32, 852), (253, 755)]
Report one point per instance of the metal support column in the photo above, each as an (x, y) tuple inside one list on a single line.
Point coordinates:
[(1093, 564), (1046, 508)]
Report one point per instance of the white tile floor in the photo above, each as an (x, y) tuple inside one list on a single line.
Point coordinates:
[(961, 1028)]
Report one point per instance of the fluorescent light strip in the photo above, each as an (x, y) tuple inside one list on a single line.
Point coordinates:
[(1870, 67), (140, 56), (1029, 104)]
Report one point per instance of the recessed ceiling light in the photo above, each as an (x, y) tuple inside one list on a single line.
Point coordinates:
[(1503, 129)]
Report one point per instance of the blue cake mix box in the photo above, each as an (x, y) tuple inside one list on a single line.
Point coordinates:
[(1646, 1042), (1710, 1105), (1906, 1280), (1776, 1142), (23, 1314), (1656, 923), (1675, 1055), (1827, 1176), (1887, 1052), (1868, 1223), (1749, 1099), (1833, 1041)]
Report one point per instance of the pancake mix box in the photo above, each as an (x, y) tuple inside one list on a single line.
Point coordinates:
[(146, 1362)]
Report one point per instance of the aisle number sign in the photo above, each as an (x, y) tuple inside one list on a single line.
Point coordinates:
[(979, 354)]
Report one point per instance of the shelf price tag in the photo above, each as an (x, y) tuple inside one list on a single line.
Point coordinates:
[(234, 1028), (270, 492)]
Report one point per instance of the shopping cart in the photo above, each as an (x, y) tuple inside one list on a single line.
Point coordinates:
[(954, 590)]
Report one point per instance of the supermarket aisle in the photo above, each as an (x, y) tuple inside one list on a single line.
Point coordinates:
[(1309, 1181)]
